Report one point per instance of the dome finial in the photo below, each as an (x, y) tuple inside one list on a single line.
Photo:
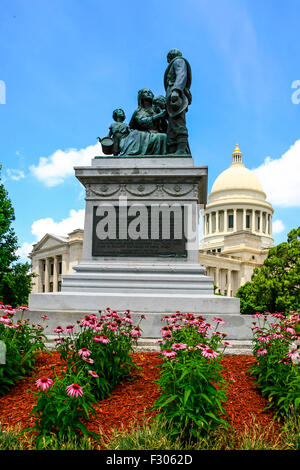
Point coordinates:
[(237, 155)]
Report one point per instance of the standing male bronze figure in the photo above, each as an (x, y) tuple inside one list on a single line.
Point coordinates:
[(177, 82)]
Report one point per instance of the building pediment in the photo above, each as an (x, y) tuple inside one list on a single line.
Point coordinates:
[(48, 241)]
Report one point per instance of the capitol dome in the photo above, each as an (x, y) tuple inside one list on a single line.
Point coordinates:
[(237, 177), (237, 203), (237, 227)]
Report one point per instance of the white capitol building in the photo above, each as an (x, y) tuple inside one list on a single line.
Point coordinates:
[(237, 234)]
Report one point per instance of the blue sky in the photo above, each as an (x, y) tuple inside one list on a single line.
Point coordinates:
[(66, 64)]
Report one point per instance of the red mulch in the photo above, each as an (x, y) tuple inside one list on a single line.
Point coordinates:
[(133, 398)]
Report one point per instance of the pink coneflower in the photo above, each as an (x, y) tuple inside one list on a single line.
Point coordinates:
[(261, 352), (257, 315), (227, 344), (38, 327), (263, 339), (44, 317), (160, 341), (294, 354), (5, 319), (70, 328), (93, 373), (136, 332), (219, 320), (209, 353), (201, 346), (74, 389), (112, 327), (23, 307), (277, 335), (178, 346), (44, 383), (102, 339), (84, 352), (88, 359), (128, 320), (168, 353), (58, 329)]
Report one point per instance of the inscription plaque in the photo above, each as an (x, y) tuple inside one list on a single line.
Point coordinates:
[(138, 230)]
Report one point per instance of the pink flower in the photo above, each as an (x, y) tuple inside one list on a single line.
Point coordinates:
[(70, 328), (178, 346), (93, 373), (168, 353), (201, 346), (44, 317), (84, 352), (219, 320), (209, 353), (294, 354), (101, 339), (44, 383), (74, 389), (263, 339), (88, 359), (225, 343), (58, 329), (261, 352), (135, 333)]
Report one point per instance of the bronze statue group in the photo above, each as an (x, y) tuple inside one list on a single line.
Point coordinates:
[(158, 125)]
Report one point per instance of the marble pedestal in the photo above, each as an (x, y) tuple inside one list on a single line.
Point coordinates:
[(153, 277)]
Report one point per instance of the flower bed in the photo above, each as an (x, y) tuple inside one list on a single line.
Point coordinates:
[(276, 368), (21, 341), (192, 384), (94, 360)]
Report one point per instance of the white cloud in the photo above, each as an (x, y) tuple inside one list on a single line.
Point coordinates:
[(280, 178), (15, 174), (42, 226), (277, 226), (24, 251), (53, 170)]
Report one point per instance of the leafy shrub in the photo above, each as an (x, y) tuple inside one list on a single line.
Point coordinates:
[(191, 380), (61, 405), (276, 369), (22, 342), (101, 348), (95, 359)]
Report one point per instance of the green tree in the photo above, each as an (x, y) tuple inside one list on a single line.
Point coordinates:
[(275, 286), (15, 278)]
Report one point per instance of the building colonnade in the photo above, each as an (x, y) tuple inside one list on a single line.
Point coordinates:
[(235, 219)]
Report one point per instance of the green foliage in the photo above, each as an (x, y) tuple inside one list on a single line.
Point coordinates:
[(275, 287), (15, 279), (8, 239), (22, 341), (109, 340), (59, 414), (191, 380), (16, 284), (94, 366), (276, 369)]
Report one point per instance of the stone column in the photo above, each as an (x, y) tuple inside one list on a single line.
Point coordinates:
[(261, 222), (225, 220), (234, 220), (244, 219), (253, 221), (217, 221), (55, 275), (47, 274), (229, 283)]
